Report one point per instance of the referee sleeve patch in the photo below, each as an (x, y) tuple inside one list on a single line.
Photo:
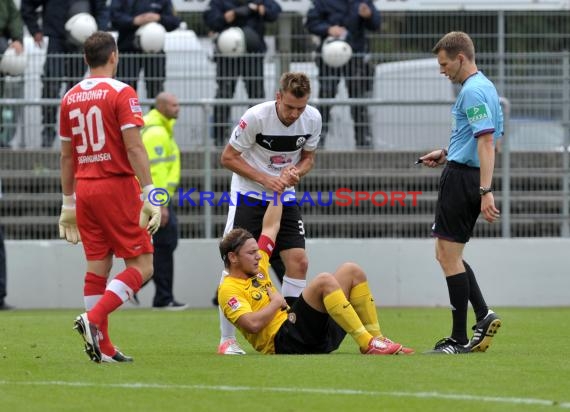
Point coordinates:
[(266, 244), (476, 113)]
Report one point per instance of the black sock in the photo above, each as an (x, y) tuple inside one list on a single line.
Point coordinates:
[(458, 286), (475, 296)]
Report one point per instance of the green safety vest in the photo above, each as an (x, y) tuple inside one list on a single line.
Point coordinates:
[(163, 151)]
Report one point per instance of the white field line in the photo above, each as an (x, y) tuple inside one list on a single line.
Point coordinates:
[(324, 391)]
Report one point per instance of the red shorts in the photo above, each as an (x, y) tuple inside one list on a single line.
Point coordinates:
[(108, 213)]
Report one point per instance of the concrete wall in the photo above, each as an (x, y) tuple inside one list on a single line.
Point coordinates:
[(511, 272)]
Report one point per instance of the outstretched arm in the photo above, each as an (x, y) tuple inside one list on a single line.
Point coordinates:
[(254, 322), (272, 220)]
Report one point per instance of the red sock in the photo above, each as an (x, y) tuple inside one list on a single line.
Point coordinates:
[(93, 290), (119, 290), (105, 343)]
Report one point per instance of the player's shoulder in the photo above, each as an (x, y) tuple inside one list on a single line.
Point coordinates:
[(480, 88), (105, 83), (258, 115), (115, 84), (262, 109), (99, 83), (312, 112)]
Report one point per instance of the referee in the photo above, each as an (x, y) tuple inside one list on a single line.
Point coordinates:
[(465, 189)]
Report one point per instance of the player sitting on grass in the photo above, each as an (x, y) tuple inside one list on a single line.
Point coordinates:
[(331, 305)]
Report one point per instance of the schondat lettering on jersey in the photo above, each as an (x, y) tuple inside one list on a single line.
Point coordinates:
[(87, 95), (99, 157)]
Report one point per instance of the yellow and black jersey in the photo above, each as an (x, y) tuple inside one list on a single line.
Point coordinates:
[(240, 296)]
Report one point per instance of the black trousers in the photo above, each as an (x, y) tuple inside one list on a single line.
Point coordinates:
[(64, 65), (2, 268), (228, 71), (359, 78), (153, 65), (165, 241)]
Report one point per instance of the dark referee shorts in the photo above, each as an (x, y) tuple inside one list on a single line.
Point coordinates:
[(248, 214), (307, 331), (458, 203)]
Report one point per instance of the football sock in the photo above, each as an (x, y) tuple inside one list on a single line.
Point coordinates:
[(342, 312), (458, 287), (118, 291), (363, 304), (93, 290), (292, 287), (227, 329), (475, 296)]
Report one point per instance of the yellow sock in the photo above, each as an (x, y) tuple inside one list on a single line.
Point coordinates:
[(363, 304), (343, 313)]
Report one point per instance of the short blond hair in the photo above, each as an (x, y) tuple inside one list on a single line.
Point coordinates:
[(456, 42), (296, 83)]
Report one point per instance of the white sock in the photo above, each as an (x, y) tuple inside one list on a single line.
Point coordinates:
[(292, 287), (227, 329), (91, 301)]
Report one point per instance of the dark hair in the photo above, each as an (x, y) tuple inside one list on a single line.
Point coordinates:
[(232, 242), (296, 83), (456, 42), (98, 48)]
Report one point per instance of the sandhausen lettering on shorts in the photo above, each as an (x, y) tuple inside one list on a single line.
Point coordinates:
[(99, 157)]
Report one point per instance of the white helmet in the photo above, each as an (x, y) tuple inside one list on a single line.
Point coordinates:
[(336, 52), (231, 42), (80, 27), (13, 64), (151, 37)]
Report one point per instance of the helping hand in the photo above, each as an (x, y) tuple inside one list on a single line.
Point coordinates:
[(290, 175)]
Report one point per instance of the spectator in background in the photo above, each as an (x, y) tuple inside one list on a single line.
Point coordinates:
[(348, 21), (127, 17), (58, 69), (3, 273), (164, 156), (251, 18), (3, 269), (11, 37)]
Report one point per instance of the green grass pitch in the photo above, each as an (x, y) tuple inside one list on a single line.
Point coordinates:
[(43, 367)]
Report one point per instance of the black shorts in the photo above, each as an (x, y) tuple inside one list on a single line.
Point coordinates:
[(248, 214), (308, 331), (458, 203)]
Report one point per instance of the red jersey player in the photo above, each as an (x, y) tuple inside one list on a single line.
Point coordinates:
[(102, 156)]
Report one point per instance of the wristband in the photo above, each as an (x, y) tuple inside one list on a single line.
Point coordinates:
[(146, 190), (68, 200), (266, 244)]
